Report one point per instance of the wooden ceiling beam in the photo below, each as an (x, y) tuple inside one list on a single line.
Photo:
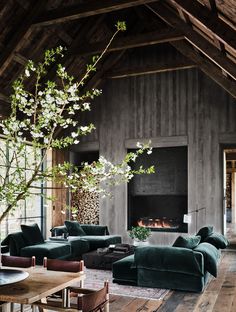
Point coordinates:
[(204, 16), (129, 42), (206, 66), (20, 59), (21, 32), (203, 45), (160, 67), (86, 30), (4, 98), (86, 9)]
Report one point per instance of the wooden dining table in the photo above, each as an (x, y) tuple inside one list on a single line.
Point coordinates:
[(38, 285)]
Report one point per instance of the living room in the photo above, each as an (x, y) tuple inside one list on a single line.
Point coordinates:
[(168, 82)]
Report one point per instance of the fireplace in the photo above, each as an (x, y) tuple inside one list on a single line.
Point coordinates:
[(159, 201), (158, 212)]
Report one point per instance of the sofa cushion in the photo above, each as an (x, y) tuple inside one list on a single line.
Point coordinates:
[(211, 256), (218, 240), (205, 231), (32, 234), (187, 242), (49, 250), (74, 228), (171, 259), (101, 241), (91, 229), (79, 246)]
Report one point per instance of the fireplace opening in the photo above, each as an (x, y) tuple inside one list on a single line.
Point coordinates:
[(159, 201), (158, 212)]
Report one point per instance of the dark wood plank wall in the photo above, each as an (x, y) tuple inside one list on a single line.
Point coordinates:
[(174, 104)]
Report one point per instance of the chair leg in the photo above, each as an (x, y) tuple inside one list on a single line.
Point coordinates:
[(106, 307), (12, 307)]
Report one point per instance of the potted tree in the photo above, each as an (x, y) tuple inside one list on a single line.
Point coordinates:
[(140, 235)]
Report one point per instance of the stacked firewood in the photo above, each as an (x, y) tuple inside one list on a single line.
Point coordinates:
[(85, 207)]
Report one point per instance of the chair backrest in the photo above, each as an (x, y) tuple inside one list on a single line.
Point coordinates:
[(94, 301), (63, 265), (21, 262)]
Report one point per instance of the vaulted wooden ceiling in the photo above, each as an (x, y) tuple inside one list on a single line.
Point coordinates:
[(202, 31)]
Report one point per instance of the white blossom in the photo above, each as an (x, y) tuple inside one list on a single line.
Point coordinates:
[(27, 73), (74, 134), (84, 128), (86, 106)]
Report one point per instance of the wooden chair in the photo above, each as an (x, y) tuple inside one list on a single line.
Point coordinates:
[(87, 300), (20, 262)]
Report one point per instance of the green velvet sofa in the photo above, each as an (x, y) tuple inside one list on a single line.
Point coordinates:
[(184, 266), (81, 239), (165, 267), (85, 237), (30, 243)]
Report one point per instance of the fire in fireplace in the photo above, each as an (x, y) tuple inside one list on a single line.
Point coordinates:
[(158, 212), (161, 223)]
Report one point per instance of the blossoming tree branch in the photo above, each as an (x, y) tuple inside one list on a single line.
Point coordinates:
[(35, 118)]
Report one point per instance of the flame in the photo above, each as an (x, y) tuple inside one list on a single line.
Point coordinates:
[(156, 223)]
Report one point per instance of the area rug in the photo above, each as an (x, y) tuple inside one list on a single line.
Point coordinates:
[(95, 279)]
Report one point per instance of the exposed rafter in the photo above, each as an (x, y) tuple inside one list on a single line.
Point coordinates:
[(134, 41), (20, 59), (204, 16), (206, 66), (86, 9), (195, 39), (151, 69), (21, 31), (87, 30), (4, 98)]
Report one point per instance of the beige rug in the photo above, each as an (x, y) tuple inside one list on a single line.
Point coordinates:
[(95, 279)]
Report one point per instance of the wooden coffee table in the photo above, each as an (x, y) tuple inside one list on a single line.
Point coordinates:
[(95, 260)]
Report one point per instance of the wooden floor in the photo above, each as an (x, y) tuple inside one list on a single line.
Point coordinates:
[(218, 296)]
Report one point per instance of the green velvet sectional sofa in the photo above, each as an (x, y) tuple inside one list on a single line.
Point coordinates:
[(185, 266), (85, 237), (30, 242), (82, 238)]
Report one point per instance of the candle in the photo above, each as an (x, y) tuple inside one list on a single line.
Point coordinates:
[(33, 261)]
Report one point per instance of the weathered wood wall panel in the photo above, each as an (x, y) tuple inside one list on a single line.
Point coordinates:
[(181, 103), (59, 193)]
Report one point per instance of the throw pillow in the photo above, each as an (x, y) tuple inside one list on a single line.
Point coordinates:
[(217, 240), (74, 228), (205, 231), (211, 256), (32, 234), (187, 242), (91, 229)]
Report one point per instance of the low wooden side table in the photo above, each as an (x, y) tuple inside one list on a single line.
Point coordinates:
[(95, 260)]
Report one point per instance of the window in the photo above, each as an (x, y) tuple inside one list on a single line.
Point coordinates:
[(29, 210)]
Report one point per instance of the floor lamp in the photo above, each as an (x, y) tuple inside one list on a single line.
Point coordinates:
[(188, 217)]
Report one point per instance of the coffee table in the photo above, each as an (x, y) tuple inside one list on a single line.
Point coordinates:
[(95, 260)]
